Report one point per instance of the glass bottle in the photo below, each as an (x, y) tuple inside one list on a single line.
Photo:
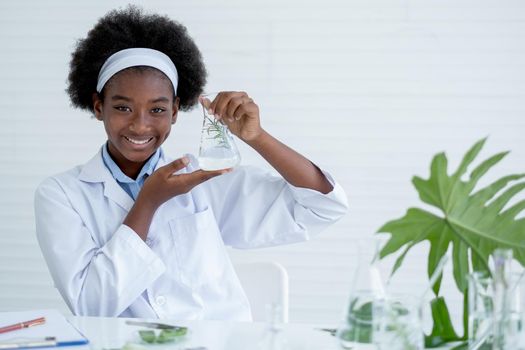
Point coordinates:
[(398, 323)]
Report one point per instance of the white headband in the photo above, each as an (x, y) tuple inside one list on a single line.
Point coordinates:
[(137, 57)]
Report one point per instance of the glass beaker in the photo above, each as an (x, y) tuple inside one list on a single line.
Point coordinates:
[(515, 330), (481, 299), (502, 329), (397, 323), (480, 310), (217, 148)]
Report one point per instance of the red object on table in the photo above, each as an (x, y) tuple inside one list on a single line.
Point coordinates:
[(21, 325)]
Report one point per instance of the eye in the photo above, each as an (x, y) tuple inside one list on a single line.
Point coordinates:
[(158, 110), (122, 108)]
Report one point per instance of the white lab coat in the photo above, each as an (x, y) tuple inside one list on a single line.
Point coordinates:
[(182, 271)]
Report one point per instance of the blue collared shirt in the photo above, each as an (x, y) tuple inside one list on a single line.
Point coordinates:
[(132, 187)]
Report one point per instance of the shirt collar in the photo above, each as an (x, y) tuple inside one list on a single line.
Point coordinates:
[(146, 170)]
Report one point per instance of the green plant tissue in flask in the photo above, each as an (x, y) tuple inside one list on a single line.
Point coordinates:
[(217, 147)]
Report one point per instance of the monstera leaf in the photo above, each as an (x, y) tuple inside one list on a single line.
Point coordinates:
[(473, 221)]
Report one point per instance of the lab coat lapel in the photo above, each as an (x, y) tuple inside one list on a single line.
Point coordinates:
[(96, 171), (114, 192)]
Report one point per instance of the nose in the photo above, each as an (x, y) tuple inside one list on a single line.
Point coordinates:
[(140, 122)]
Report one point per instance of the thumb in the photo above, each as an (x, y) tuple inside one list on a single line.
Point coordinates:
[(205, 102), (176, 165)]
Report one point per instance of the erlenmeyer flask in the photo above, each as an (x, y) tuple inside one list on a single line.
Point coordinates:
[(217, 148), (356, 330)]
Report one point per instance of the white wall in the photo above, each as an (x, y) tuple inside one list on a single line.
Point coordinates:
[(368, 89)]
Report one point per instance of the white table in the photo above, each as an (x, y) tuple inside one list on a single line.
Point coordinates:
[(113, 333)]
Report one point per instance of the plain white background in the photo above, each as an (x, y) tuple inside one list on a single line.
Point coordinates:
[(369, 90)]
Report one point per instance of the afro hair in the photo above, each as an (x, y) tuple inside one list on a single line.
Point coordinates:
[(129, 28)]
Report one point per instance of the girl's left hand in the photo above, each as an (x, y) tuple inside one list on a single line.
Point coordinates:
[(238, 111)]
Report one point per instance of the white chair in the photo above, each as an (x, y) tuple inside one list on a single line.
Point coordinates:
[(264, 283)]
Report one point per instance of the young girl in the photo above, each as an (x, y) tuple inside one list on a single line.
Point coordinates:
[(132, 233)]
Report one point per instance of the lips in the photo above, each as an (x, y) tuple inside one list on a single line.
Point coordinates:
[(139, 141)]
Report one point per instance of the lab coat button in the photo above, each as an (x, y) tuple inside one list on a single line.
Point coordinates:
[(160, 300)]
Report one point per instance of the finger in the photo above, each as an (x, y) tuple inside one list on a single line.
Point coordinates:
[(197, 177), (246, 109), (204, 175), (217, 104), (234, 104), (206, 103), (222, 101), (176, 165), (239, 113), (213, 104)]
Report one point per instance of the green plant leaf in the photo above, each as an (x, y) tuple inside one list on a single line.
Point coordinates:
[(170, 335), (148, 336), (442, 331), (164, 336), (474, 222)]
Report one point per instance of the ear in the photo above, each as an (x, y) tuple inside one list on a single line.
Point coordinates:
[(97, 106), (176, 104)]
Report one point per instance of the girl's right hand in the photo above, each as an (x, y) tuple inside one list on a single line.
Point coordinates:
[(164, 184), (161, 186)]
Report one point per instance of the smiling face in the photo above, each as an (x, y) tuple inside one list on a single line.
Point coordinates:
[(138, 110)]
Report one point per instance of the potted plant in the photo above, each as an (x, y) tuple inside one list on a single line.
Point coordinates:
[(473, 221)]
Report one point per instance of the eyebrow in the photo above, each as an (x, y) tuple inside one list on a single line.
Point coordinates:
[(160, 99), (120, 97)]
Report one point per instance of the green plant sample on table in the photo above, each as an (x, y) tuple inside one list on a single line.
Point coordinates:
[(165, 335)]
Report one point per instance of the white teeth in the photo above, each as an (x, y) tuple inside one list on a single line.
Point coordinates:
[(138, 142)]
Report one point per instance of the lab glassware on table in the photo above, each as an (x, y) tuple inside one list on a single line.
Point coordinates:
[(397, 323), (480, 304), (496, 306), (356, 329)]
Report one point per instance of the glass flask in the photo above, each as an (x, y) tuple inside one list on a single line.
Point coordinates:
[(356, 329), (398, 323), (217, 148), (481, 308)]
